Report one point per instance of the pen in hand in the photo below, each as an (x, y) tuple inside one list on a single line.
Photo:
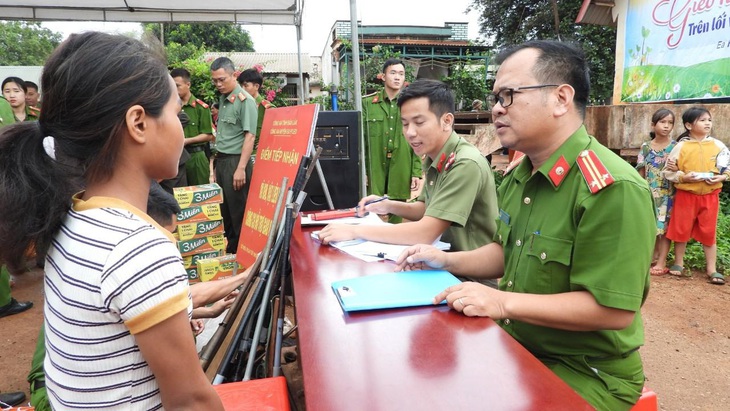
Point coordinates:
[(367, 203)]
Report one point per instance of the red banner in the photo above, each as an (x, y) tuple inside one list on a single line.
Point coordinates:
[(286, 136)]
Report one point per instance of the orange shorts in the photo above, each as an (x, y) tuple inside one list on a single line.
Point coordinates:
[(694, 216)]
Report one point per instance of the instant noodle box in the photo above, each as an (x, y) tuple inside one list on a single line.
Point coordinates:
[(218, 268), (198, 195), (196, 214), (202, 245)]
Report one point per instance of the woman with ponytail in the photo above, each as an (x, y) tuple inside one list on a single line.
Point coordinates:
[(117, 300)]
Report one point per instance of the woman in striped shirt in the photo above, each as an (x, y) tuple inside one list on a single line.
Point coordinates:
[(117, 299)]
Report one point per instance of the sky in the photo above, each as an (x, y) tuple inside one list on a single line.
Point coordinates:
[(319, 17)]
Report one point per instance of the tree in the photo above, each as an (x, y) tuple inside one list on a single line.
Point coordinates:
[(509, 22), (212, 36), (25, 43)]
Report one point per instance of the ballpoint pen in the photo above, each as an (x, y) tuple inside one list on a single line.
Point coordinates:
[(377, 200)]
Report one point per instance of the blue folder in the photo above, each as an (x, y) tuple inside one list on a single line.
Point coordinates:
[(392, 290)]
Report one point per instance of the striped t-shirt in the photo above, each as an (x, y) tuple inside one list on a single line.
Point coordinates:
[(111, 272)]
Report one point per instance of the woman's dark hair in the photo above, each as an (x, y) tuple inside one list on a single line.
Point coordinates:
[(17, 80), (657, 117), (89, 83), (690, 116)]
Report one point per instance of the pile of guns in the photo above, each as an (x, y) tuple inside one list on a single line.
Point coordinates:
[(253, 349)]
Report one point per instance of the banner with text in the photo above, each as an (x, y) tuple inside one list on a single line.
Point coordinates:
[(286, 135), (675, 50)]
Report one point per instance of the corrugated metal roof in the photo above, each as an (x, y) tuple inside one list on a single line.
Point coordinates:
[(596, 12), (420, 42), (274, 63)]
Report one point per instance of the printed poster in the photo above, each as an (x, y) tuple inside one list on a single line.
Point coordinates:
[(286, 136), (675, 50)]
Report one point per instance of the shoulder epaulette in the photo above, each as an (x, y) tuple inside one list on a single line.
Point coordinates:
[(241, 96), (34, 109), (266, 103), (370, 95), (201, 102), (594, 172)]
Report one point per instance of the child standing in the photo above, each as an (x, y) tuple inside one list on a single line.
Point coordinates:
[(702, 163), (117, 298), (652, 157)]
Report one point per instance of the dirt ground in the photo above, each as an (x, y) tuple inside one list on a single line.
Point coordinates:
[(686, 356)]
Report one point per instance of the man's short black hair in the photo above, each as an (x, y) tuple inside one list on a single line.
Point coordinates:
[(440, 97), (392, 62), (251, 76), (30, 84), (559, 63), (180, 72), (161, 205)]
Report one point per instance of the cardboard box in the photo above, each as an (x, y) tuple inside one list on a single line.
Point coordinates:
[(191, 261), (198, 195), (218, 268), (202, 245), (196, 214), (197, 230), (192, 275)]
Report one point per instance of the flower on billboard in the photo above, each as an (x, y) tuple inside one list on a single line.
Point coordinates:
[(677, 88), (668, 96), (715, 88)]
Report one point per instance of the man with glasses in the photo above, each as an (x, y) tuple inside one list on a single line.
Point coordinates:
[(233, 165), (574, 238)]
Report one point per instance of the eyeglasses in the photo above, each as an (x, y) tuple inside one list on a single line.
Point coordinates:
[(220, 79), (505, 96)]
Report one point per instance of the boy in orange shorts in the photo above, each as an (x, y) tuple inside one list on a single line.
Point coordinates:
[(702, 166)]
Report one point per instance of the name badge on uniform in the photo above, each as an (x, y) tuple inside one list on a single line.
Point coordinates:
[(503, 216)]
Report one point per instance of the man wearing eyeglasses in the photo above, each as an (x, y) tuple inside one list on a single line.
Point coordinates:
[(233, 165), (574, 238)]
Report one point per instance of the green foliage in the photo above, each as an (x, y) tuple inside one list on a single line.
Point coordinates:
[(510, 22), (651, 83), (694, 256), (468, 82), (25, 43), (212, 36)]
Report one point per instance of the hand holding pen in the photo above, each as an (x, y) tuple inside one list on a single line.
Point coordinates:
[(373, 203)]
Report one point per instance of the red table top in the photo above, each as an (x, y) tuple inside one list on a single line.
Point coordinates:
[(407, 359)]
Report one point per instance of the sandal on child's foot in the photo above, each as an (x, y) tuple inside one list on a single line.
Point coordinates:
[(676, 270), (717, 279), (656, 271)]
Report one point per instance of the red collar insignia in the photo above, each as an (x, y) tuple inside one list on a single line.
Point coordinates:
[(232, 98), (559, 170), (440, 164), (450, 161)]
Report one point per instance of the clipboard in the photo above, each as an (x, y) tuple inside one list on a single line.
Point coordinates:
[(392, 290)]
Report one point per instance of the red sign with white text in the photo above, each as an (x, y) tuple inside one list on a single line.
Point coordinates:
[(286, 136)]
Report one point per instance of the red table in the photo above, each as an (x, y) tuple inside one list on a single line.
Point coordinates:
[(407, 359)]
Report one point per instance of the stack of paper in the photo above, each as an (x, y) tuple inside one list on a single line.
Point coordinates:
[(375, 251)]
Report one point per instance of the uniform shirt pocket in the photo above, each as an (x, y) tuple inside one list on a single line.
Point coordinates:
[(549, 263)]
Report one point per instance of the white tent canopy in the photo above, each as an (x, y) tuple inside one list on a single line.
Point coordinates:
[(286, 12)]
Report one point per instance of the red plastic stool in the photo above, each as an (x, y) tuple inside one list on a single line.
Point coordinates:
[(266, 394), (647, 401)]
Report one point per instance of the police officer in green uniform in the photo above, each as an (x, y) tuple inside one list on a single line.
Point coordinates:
[(237, 121), (391, 166), (251, 81), (198, 131), (14, 90), (458, 202), (575, 262)]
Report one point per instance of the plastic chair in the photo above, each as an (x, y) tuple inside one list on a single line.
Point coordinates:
[(265, 394), (647, 402)]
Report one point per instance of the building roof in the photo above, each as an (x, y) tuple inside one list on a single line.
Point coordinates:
[(596, 12), (274, 63), (414, 42)]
